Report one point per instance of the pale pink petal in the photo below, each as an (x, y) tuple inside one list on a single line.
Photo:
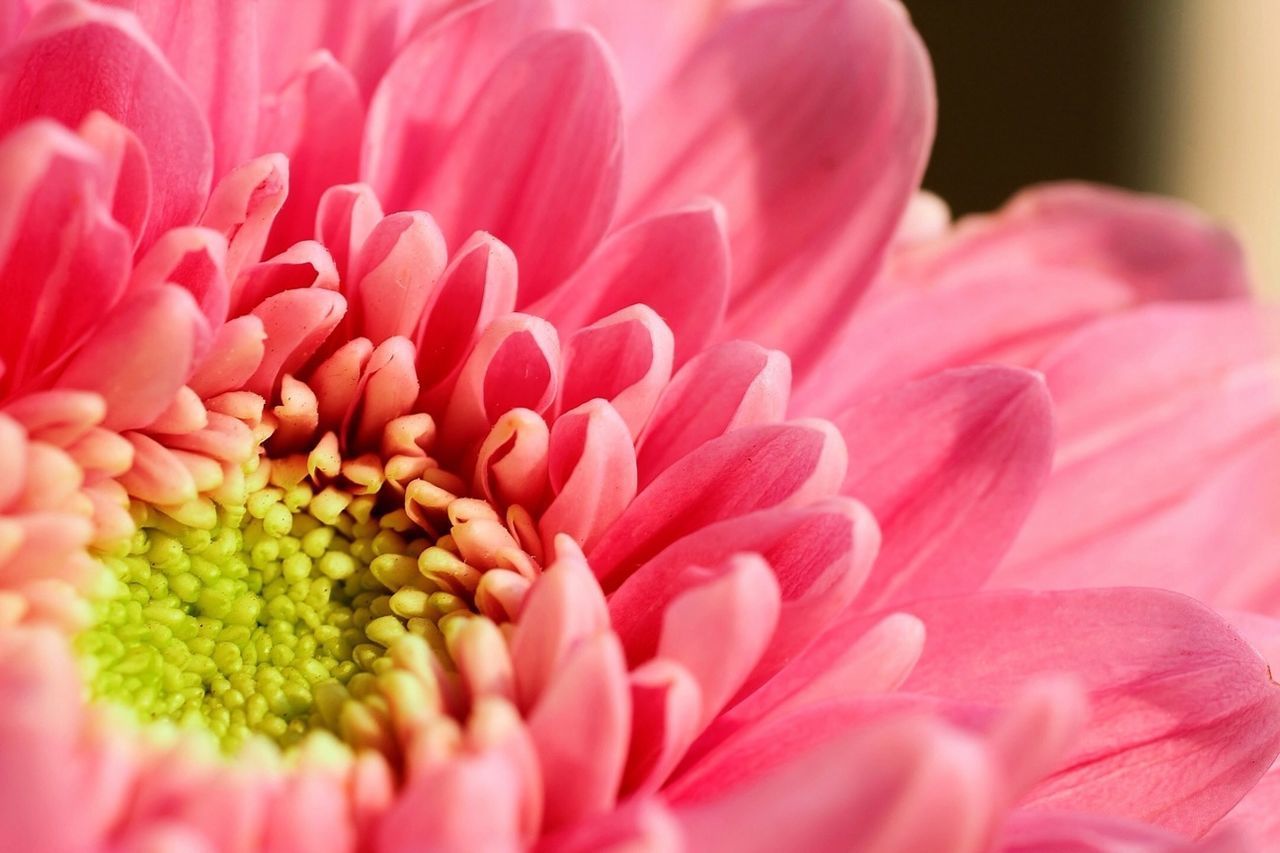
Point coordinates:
[(336, 381), (718, 628), (214, 48), (752, 468), (592, 470), (1073, 832), (896, 786), (13, 460), (234, 354), (1257, 816), (438, 808), (344, 217), (1175, 398), (676, 263), (243, 206), (950, 465), (810, 122), (624, 359), (564, 608), (427, 90), (43, 545), (194, 258), (536, 161), (514, 365), (386, 391), (1184, 718), (312, 121), (296, 323), (78, 57), (666, 715), (302, 265), (732, 385), (310, 813), (140, 356), (478, 286), (581, 727), (186, 413), (511, 467), (394, 276), (819, 555), (64, 262), (157, 476)]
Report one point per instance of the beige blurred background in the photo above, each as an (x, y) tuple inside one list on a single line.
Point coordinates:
[(1180, 97)]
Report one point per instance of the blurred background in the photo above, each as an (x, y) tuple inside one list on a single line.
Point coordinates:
[(1180, 97)]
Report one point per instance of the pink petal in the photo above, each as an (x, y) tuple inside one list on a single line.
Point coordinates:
[(639, 824), (78, 57), (511, 467), (214, 49), (900, 785), (64, 262), (128, 175), (1073, 832), (580, 726), (243, 206), (1157, 248), (140, 356), (438, 808), (676, 263), (394, 276), (592, 469), (296, 323), (387, 391), (312, 120), (545, 126), (624, 359), (810, 123), (302, 265), (1191, 383), (233, 356), (513, 366), (428, 89), (157, 476), (950, 465), (748, 469), (13, 460), (336, 381), (732, 385), (1184, 717), (563, 608), (666, 715), (194, 258), (819, 555), (478, 286), (345, 216), (719, 627)]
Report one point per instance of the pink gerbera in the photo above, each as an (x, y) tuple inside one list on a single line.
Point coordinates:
[(398, 447)]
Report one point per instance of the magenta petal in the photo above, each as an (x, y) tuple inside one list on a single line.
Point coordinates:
[(666, 715), (676, 263), (428, 89), (748, 469), (1184, 718), (312, 120), (140, 356), (394, 276), (732, 385), (302, 265), (345, 216), (813, 158), (78, 57), (950, 465), (194, 258), (638, 824), (895, 786), (546, 125), (624, 359), (592, 469), (581, 727)]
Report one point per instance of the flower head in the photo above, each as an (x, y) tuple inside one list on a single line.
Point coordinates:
[(398, 447)]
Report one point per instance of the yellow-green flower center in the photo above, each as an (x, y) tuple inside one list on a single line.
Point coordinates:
[(262, 618)]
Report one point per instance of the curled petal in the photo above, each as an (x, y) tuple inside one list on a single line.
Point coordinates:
[(592, 469)]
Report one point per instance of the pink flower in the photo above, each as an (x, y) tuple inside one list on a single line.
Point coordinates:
[(322, 527)]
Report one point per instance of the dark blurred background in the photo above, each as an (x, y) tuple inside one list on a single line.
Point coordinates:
[(1180, 97)]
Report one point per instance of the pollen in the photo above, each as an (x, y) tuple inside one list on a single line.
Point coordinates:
[(265, 617)]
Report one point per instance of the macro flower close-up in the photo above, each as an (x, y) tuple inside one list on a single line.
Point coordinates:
[(567, 425)]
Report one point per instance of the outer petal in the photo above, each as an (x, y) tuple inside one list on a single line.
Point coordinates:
[(950, 466), (732, 385), (1195, 385), (537, 159), (749, 469), (394, 276), (901, 785), (592, 467), (810, 123), (1068, 832), (676, 263), (1184, 716), (78, 57)]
